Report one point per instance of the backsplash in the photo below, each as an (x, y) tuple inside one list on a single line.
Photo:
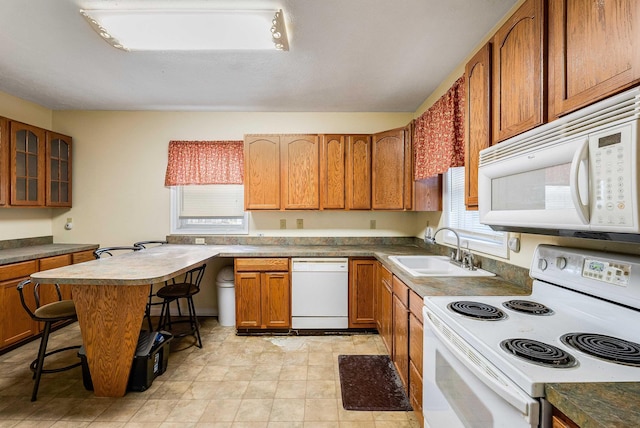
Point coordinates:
[(25, 242)]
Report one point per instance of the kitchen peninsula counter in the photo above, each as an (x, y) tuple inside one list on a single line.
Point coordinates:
[(110, 295)]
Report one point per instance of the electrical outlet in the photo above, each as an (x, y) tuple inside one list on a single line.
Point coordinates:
[(299, 223), (283, 223), (372, 224), (199, 240)]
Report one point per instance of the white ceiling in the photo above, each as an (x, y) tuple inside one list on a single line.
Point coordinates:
[(345, 55)]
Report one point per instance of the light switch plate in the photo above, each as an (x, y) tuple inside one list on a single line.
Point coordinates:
[(299, 223), (372, 224), (283, 223)]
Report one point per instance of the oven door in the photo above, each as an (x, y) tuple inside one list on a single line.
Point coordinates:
[(461, 389)]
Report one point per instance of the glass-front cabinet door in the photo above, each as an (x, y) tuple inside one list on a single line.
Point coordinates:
[(27, 164), (4, 161), (58, 176)]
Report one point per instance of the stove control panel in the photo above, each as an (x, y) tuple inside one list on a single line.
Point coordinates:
[(611, 276), (601, 270)]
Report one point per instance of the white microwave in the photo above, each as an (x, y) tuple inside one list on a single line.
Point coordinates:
[(576, 176)]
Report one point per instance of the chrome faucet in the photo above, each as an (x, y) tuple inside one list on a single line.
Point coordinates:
[(432, 239)]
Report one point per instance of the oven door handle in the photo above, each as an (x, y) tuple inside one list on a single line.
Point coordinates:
[(482, 368)]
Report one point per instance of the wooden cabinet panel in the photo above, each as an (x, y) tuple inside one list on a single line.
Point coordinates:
[(478, 120), (248, 297), (262, 172), (27, 164), (276, 300), (384, 310), (300, 163), (262, 264), (58, 170), (519, 96), (593, 51), (263, 297), (401, 339), (47, 292), (15, 323), (358, 181), (428, 194), (333, 172), (388, 170), (415, 391), (4, 161), (82, 256), (560, 420), (361, 293), (416, 331)]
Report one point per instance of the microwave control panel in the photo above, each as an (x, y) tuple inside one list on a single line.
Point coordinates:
[(612, 153)]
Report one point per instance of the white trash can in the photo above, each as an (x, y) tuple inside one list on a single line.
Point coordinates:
[(226, 297)]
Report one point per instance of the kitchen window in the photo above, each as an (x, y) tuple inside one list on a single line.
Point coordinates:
[(215, 209), (478, 237)]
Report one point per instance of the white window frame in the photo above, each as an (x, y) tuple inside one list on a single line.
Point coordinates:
[(216, 226), (492, 242)]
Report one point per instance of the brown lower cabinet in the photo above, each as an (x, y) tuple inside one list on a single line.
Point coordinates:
[(399, 322), (401, 330), (16, 326), (263, 293), (384, 306), (361, 293)]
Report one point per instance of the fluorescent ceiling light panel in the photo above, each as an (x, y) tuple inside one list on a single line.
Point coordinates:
[(189, 30)]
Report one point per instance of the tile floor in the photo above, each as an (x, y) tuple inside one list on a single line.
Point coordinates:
[(234, 381)]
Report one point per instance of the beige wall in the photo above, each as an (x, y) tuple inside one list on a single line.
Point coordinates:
[(120, 160), (23, 222)]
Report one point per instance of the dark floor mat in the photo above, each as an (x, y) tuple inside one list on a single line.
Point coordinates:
[(370, 382)]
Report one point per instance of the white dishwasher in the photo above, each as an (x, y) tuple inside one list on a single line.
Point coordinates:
[(319, 293)]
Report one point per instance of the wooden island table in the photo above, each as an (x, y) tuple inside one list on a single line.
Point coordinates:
[(110, 295)]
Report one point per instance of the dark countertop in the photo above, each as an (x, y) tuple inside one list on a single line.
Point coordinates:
[(598, 405), (21, 254)]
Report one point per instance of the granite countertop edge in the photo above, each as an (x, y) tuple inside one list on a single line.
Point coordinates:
[(34, 252), (597, 405)]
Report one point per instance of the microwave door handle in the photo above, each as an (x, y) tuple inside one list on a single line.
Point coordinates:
[(578, 164)]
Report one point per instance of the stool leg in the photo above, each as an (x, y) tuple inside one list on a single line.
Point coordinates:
[(194, 320), (40, 364)]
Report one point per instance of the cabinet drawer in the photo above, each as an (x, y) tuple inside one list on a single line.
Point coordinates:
[(260, 265), (55, 262), (18, 270), (82, 256), (401, 290), (415, 305)]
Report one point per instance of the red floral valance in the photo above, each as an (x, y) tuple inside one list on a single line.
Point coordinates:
[(204, 162), (438, 138)]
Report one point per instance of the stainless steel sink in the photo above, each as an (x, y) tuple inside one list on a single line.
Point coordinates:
[(434, 266)]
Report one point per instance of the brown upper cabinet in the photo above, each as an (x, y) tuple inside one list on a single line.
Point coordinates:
[(58, 155), (391, 170), (262, 172), (35, 166), (4, 161), (478, 119), (281, 172), (593, 51), (27, 164), (333, 171), (300, 163), (329, 172), (358, 181), (519, 101)]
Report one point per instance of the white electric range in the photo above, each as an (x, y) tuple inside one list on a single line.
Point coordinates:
[(488, 358)]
